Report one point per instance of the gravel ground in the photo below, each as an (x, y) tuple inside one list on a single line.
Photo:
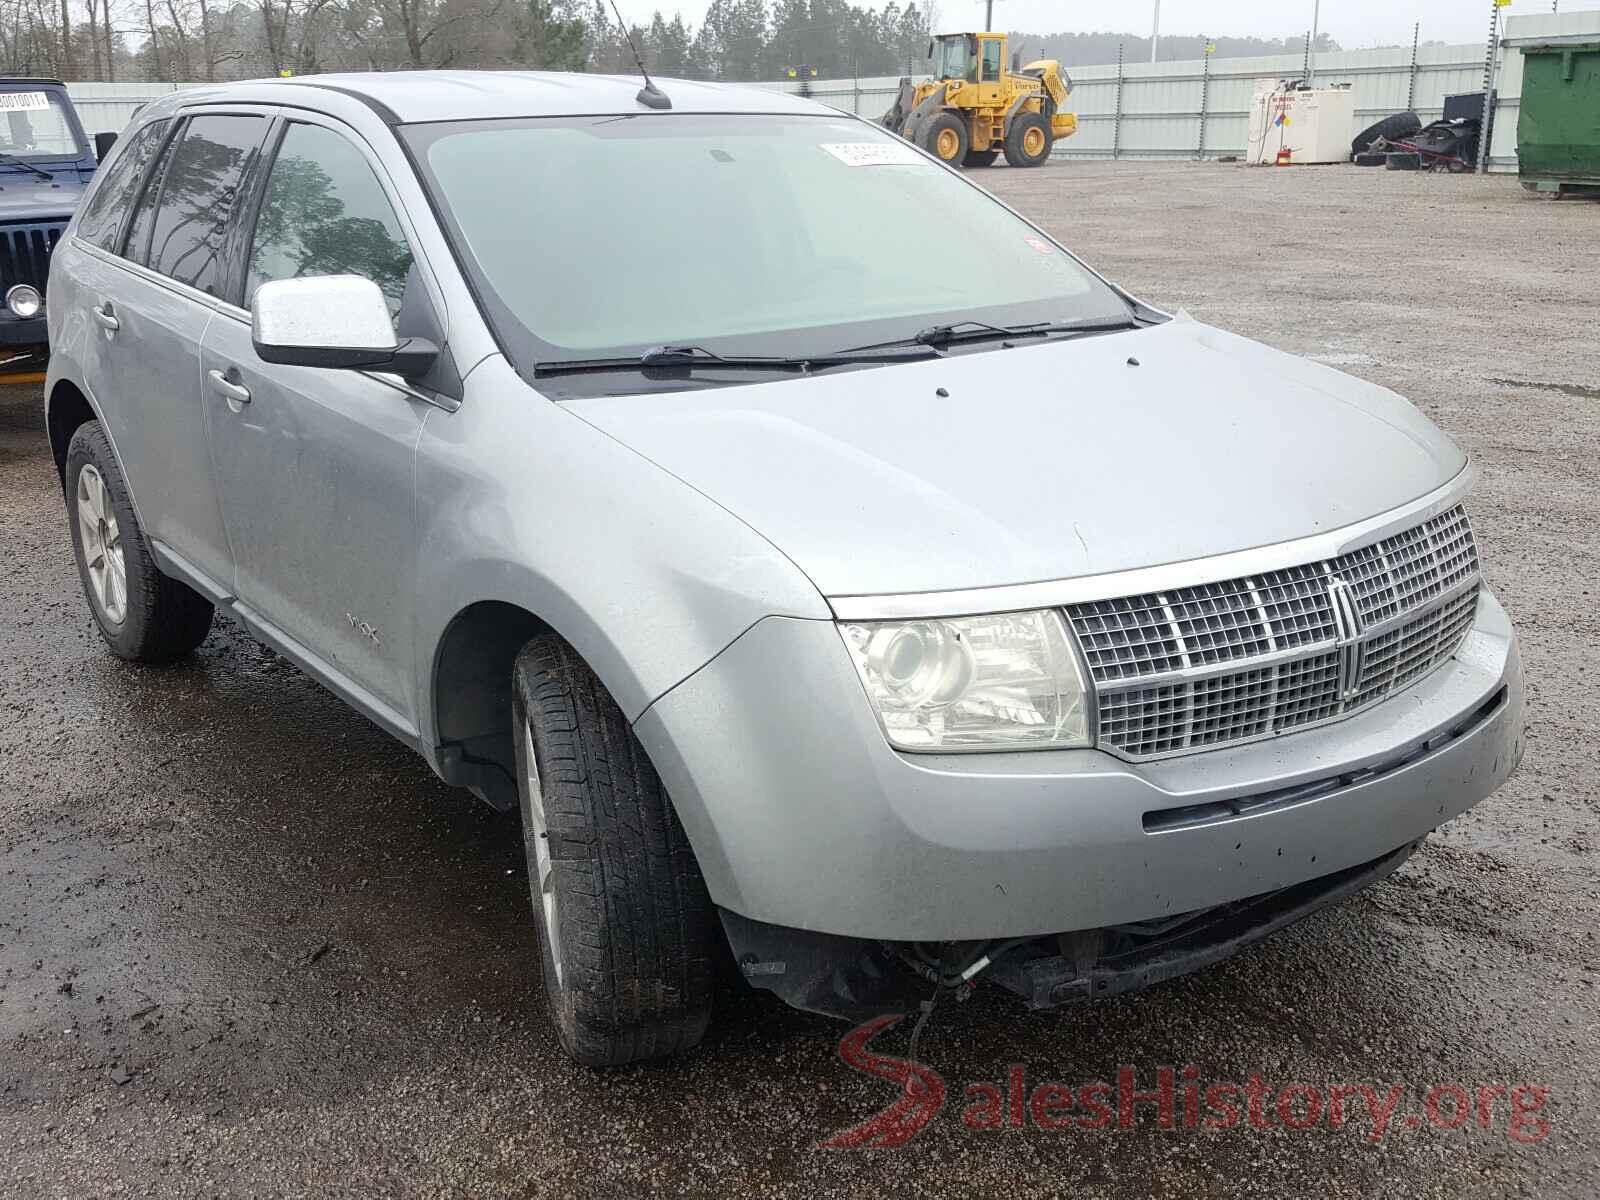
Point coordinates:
[(249, 946)]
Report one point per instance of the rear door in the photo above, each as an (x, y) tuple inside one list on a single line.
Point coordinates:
[(316, 465), (150, 297)]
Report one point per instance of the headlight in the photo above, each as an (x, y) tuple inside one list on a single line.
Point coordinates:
[(24, 300), (1004, 682)]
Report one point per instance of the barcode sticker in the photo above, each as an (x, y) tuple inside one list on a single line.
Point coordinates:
[(874, 154), (23, 101)]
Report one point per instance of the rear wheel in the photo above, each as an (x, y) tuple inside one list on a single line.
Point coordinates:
[(142, 614), (946, 138), (628, 933), (1028, 141)]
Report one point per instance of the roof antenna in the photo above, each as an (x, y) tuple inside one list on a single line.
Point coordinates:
[(649, 95)]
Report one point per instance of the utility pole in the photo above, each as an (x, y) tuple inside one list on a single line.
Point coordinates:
[(1155, 32), (988, 16), (1311, 50)]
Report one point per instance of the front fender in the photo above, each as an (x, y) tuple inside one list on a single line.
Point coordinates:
[(520, 501)]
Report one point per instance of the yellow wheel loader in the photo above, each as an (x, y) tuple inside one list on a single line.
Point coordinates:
[(974, 109)]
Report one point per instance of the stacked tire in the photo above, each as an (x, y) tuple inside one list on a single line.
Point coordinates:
[(1394, 128)]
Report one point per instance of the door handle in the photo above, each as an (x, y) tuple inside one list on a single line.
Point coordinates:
[(106, 319), (236, 394)]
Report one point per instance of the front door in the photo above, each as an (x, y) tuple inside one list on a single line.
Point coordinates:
[(315, 465)]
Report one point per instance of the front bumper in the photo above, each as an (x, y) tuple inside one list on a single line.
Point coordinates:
[(16, 331), (24, 344), (801, 815)]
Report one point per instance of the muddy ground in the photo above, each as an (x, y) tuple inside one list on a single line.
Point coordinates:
[(249, 945)]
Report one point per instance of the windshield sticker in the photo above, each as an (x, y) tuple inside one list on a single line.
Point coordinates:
[(1039, 244), (873, 154), (23, 101)]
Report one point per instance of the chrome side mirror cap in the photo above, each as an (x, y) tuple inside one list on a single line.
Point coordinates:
[(335, 321)]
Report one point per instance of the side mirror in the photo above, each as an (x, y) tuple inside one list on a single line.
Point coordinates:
[(102, 145), (339, 321)]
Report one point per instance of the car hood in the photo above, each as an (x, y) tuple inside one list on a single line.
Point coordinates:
[(1041, 462), (26, 197)]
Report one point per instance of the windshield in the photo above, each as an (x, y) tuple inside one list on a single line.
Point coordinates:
[(743, 234), (953, 59), (35, 125)]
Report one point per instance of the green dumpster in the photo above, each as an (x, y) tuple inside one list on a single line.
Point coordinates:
[(1558, 131)]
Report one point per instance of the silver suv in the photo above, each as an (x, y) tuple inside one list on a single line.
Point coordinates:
[(831, 566)]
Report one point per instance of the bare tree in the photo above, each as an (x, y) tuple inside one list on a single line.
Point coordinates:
[(67, 71)]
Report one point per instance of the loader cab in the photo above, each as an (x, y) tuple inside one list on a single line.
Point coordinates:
[(974, 58)]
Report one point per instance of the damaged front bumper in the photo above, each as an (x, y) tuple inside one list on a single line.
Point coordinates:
[(801, 815), (855, 979)]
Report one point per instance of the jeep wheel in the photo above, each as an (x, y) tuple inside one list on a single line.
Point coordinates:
[(143, 615), (627, 929)]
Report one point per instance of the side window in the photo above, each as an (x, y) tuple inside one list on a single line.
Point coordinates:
[(117, 185), (137, 238), (324, 213), (198, 189), (991, 62)]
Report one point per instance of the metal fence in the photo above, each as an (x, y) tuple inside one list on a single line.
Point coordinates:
[(1176, 110), (1201, 108), (108, 107)]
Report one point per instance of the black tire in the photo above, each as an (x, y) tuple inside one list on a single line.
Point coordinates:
[(1402, 160), (1018, 135), (163, 618), (1371, 160), (980, 158), (933, 134), (636, 932), (1395, 128)]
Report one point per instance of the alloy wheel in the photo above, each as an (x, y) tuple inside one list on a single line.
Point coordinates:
[(101, 539), (539, 838)]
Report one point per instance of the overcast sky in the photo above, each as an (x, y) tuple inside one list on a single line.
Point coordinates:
[(1353, 23)]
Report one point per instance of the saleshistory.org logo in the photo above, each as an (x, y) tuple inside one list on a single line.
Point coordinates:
[(1175, 1098)]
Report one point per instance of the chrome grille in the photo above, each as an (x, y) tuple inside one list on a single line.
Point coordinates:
[(1230, 662)]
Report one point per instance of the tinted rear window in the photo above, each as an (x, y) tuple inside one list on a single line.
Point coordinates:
[(198, 191), (117, 185)]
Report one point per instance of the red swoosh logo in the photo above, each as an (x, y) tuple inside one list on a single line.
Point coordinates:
[(921, 1098)]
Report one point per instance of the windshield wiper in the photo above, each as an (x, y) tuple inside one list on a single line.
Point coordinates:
[(689, 357), (26, 165), (960, 332)]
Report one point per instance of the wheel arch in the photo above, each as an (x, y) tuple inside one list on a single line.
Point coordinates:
[(468, 696), (67, 407), (467, 693)]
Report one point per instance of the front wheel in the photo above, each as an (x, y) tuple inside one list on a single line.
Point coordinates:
[(1028, 141), (945, 137), (627, 930)]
